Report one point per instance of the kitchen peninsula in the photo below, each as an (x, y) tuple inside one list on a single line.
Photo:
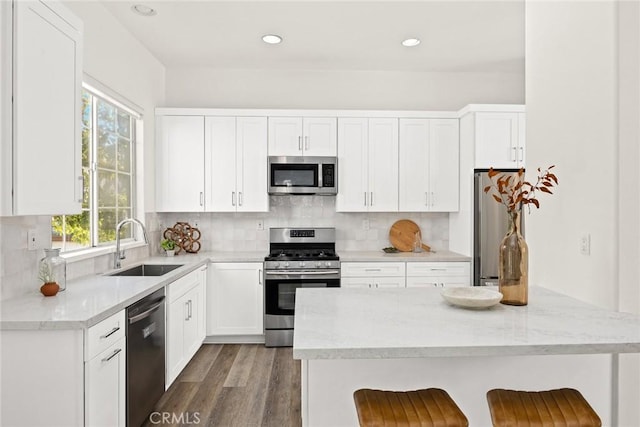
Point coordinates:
[(402, 339)]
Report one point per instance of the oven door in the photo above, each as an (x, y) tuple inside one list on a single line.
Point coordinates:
[(280, 293)]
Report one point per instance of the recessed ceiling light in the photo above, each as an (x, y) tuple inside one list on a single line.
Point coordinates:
[(411, 42), (143, 10), (271, 39)]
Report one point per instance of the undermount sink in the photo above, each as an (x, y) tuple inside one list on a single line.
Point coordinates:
[(147, 270)]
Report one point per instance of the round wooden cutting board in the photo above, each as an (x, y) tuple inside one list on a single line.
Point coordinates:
[(403, 233)]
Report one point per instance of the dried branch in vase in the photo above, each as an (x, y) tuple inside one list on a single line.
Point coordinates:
[(513, 191)]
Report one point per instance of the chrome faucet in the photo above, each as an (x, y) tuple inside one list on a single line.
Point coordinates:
[(120, 255)]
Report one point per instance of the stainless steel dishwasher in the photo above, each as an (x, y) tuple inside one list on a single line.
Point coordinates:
[(145, 356)]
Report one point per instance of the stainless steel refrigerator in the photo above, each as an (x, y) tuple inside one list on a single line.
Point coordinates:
[(490, 225)]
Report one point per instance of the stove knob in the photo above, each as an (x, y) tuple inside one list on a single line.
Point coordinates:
[(318, 264), (276, 264), (301, 263), (328, 264), (286, 264)]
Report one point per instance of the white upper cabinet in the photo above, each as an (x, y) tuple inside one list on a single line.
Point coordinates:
[(41, 109), (297, 136), (429, 165), (236, 164), (179, 163), (367, 165), (500, 140)]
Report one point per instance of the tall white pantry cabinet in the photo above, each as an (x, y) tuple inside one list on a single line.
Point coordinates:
[(40, 109)]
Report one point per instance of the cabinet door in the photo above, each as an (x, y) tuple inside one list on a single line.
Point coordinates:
[(413, 184), (285, 136), (180, 163), (47, 78), (320, 136), (220, 164), (353, 170), (234, 299), (251, 154), (497, 140), (444, 165), (192, 341), (389, 282), (105, 387), (177, 315), (356, 282), (383, 165), (424, 282)]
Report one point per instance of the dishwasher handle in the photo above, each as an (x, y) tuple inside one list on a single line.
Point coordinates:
[(148, 312)]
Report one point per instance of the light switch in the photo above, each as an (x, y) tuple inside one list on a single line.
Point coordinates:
[(585, 244)]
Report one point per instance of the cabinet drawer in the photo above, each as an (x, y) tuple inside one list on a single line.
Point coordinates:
[(372, 269), (181, 286), (105, 334), (439, 269)]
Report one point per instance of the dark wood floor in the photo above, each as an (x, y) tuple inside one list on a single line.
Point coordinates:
[(234, 385)]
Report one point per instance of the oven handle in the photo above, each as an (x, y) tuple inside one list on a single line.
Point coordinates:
[(302, 273)]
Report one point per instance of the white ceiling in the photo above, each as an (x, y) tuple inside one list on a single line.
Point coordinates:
[(481, 36)]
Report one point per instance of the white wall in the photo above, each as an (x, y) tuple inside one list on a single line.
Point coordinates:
[(572, 123), (583, 114), (118, 62), (339, 89)]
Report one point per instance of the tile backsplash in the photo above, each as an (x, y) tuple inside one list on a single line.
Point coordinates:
[(354, 231), (233, 232)]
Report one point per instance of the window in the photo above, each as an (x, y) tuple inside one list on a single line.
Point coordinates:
[(108, 168)]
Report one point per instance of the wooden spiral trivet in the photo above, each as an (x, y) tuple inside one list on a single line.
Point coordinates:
[(185, 236)]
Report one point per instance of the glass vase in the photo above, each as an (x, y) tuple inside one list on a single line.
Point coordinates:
[(53, 268), (513, 267)]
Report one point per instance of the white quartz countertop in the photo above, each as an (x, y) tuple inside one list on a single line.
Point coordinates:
[(90, 299), (350, 323), (374, 256)]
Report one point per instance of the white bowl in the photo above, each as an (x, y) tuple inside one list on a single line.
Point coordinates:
[(471, 297)]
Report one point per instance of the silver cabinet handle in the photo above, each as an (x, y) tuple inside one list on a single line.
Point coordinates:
[(306, 142), (113, 331), (300, 143), (201, 198), (233, 198), (521, 154), (365, 198), (372, 269), (112, 355), (260, 277), (190, 309), (514, 154), (240, 198), (426, 198), (186, 310), (371, 199), (438, 269), (433, 198)]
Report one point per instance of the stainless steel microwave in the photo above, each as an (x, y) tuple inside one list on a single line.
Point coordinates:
[(303, 175)]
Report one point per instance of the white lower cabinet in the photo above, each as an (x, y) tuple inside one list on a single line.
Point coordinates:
[(105, 373), (105, 390), (185, 321), (235, 295), (372, 275), (439, 274)]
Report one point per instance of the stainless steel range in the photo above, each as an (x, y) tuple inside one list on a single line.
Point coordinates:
[(298, 258)]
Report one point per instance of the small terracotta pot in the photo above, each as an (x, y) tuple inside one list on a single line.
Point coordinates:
[(49, 289)]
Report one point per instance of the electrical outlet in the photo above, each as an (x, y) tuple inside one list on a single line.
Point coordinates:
[(260, 225), (585, 244), (365, 224), (32, 241)]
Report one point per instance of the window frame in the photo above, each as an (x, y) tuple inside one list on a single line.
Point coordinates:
[(135, 239)]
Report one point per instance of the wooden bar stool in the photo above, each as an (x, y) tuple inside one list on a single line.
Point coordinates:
[(563, 407), (430, 407)]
